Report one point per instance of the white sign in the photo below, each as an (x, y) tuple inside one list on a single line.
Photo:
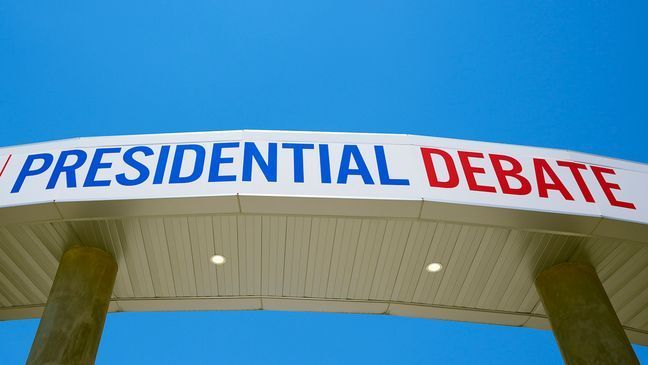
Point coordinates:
[(335, 165)]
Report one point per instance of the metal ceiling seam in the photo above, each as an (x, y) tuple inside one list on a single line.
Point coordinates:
[(261, 259), (141, 268), (138, 225), (636, 296), (420, 213), (238, 253), (201, 278), (600, 251), (32, 292), (472, 261), (238, 202), (116, 242), (168, 250), (536, 249), (400, 262), (14, 294), (283, 271), (544, 261), (39, 247), (191, 252), (443, 272), (310, 235), (355, 254), (210, 275), (330, 260), (467, 294), (58, 210), (641, 253), (501, 271), (449, 235), (42, 277), (375, 264), (533, 311), (617, 269), (427, 253), (530, 246), (504, 237)]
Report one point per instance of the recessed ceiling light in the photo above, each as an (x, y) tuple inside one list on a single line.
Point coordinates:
[(434, 267), (217, 259)]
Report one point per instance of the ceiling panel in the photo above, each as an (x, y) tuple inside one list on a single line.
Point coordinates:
[(441, 248), (355, 261), (33, 278), (320, 249), (113, 243), (201, 236), (392, 248), (249, 254), (488, 251), (180, 255), (226, 244), (157, 253), (273, 251), (345, 244), (298, 233), (414, 260), (370, 239), (458, 265)]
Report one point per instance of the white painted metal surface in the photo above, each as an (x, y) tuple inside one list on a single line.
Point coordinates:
[(316, 246)]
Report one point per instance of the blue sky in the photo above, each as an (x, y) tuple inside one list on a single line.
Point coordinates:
[(565, 74)]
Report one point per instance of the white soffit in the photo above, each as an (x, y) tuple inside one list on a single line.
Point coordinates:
[(323, 222)]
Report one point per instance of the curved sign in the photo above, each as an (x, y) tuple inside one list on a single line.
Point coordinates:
[(335, 165)]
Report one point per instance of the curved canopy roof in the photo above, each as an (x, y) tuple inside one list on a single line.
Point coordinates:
[(324, 222)]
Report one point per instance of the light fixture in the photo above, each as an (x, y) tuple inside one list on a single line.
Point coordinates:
[(217, 259), (434, 267)]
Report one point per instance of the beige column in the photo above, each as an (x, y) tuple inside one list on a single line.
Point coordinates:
[(582, 318), (71, 326)]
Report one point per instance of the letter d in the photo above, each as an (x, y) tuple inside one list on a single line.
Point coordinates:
[(453, 177)]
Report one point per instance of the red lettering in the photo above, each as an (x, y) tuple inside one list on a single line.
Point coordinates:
[(608, 186), (453, 177), (541, 167), (575, 168), (514, 172), (470, 171)]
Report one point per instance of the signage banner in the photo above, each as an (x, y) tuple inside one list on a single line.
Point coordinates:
[(333, 165)]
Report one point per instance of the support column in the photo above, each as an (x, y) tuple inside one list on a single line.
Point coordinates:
[(71, 326), (582, 318)]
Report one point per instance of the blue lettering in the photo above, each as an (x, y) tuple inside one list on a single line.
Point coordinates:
[(383, 172), (298, 158), (161, 165), (70, 171), (217, 159), (96, 165), (269, 168), (325, 164), (26, 170), (129, 159), (352, 151), (199, 164)]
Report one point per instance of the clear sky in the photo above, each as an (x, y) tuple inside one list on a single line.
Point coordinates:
[(565, 74)]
